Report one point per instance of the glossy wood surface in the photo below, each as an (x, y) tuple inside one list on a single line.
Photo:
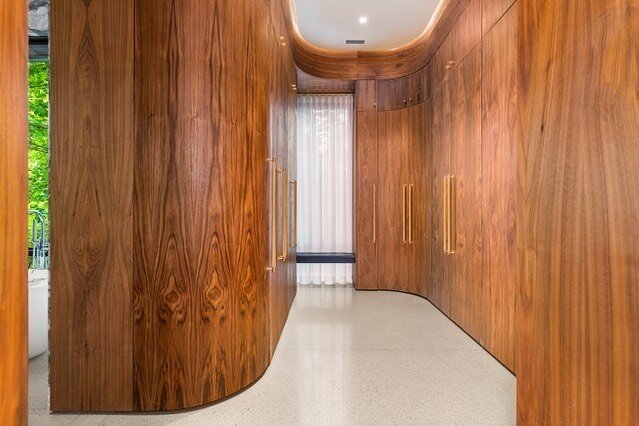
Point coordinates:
[(306, 83), (367, 187), (578, 227), (362, 65), (441, 265), (499, 186), (393, 252), (403, 92), (92, 162), (366, 95), (202, 294), (420, 218), (13, 213), (465, 165), (492, 11), (160, 295)]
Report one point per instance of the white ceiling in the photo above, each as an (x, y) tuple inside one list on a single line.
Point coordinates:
[(391, 23)]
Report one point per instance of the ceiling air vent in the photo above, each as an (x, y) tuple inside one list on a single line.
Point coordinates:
[(355, 41)]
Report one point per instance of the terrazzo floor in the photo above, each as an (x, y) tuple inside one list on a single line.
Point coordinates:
[(347, 358)]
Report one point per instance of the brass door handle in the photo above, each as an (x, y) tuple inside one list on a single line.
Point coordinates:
[(446, 224), (374, 214), (273, 220), (404, 214), (284, 254), (452, 210), (410, 214), (294, 184)]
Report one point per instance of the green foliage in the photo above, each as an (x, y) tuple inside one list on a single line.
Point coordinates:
[(38, 138)]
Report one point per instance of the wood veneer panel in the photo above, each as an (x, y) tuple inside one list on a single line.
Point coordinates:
[(393, 254), (466, 158), (306, 83), (499, 189), (578, 223), (367, 190), (13, 213), (92, 154), (419, 166), (441, 264), (201, 297), (366, 95), (492, 11)]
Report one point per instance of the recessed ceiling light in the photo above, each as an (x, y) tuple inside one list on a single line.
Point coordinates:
[(363, 19)]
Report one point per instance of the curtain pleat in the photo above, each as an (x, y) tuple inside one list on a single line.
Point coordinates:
[(325, 179)]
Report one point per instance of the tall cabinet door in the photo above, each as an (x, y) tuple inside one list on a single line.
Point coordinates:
[(441, 263), (367, 193), (419, 214), (393, 253), (466, 162)]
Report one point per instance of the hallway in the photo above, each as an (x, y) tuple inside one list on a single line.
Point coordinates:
[(349, 357)]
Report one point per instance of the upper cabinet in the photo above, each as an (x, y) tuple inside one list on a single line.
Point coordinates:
[(403, 92), (464, 36), (366, 95)]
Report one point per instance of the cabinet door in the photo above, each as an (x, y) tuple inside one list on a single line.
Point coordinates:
[(441, 263), (366, 95), (392, 94), (367, 193), (466, 303), (420, 214), (499, 169), (393, 252)]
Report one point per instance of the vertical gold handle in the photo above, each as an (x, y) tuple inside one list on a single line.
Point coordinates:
[(284, 254), (294, 184), (452, 220), (273, 219), (374, 214), (403, 213), (410, 213), (445, 215)]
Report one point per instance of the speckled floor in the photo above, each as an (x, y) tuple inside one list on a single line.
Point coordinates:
[(347, 357)]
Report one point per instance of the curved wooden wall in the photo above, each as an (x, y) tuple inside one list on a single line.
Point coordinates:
[(363, 65), (13, 213), (160, 295)]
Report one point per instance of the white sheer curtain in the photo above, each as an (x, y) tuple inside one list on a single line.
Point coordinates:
[(325, 179)]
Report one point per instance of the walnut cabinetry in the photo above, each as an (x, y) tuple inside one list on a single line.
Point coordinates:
[(459, 155), (392, 163)]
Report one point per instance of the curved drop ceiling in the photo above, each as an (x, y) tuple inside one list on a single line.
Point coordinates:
[(390, 23)]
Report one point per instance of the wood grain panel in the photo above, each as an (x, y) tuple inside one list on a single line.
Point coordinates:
[(366, 95), (403, 92), (492, 11), (363, 65), (201, 311), (306, 83), (578, 226), (419, 165), (441, 273), (92, 154), (13, 213), (367, 208), (465, 165), (393, 254), (499, 189)]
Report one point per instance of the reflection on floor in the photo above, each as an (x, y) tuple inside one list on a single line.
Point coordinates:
[(348, 357)]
